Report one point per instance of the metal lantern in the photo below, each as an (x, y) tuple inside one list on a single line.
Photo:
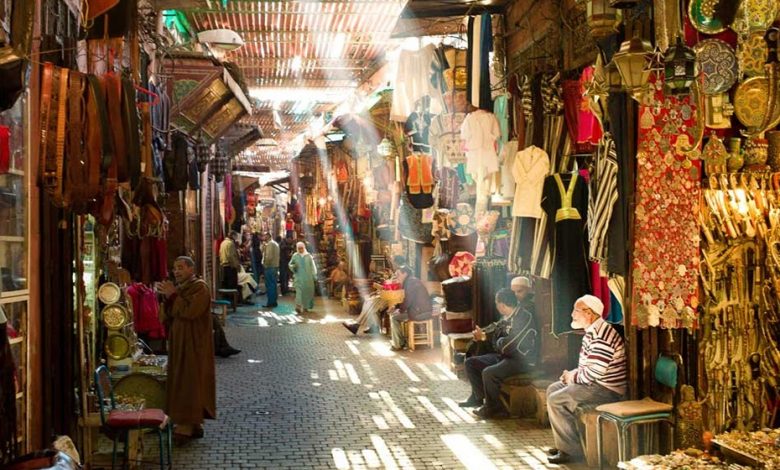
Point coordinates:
[(633, 61), (679, 68), (602, 19), (614, 82), (202, 155), (220, 166)]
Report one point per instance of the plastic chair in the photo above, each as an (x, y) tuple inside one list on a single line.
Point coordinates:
[(119, 423), (626, 414)]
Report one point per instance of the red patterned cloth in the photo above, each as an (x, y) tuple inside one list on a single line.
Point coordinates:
[(666, 244)]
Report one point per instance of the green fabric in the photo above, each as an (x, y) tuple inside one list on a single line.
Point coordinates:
[(305, 273)]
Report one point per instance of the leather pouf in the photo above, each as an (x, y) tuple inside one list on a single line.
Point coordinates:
[(457, 294)]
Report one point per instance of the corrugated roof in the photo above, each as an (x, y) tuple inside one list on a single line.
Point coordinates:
[(295, 44)]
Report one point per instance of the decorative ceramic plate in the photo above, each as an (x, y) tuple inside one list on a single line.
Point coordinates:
[(109, 293), (752, 54), (140, 385), (702, 16), (115, 317), (718, 63), (750, 101), (755, 15), (117, 347)]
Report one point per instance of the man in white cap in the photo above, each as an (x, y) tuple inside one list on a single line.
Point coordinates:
[(600, 377), (521, 286)]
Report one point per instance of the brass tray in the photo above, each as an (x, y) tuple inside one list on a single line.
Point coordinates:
[(718, 63), (140, 385), (736, 456), (117, 347), (752, 54), (702, 16), (109, 293), (755, 15), (750, 101), (115, 316)]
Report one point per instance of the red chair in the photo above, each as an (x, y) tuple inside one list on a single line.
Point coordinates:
[(118, 423)]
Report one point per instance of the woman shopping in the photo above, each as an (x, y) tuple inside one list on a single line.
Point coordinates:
[(305, 272)]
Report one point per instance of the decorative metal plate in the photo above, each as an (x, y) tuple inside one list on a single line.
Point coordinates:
[(718, 63), (752, 54), (117, 347), (702, 16), (115, 317), (140, 385), (755, 15), (750, 101), (109, 293)]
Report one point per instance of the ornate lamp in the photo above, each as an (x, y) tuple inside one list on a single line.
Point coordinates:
[(202, 155), (633, 62), (602, 19), (614, 82), (679, 68)]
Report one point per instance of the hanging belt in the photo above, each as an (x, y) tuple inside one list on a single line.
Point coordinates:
[(566, 212), (54, 101), (114, 99), (75, 177), (94, 140), (131, 126), (47, 82)]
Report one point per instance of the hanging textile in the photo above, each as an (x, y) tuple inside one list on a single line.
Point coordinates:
[(666, 243), (414, 81), (617, 232), (480, 40), (531, 167), (146, 309), (444, 137), (489, 276), (419, 180), (410, 222), (602, 197), (565, 202), (449, 188)]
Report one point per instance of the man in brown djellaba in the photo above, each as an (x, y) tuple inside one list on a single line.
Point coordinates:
[(191, 386)]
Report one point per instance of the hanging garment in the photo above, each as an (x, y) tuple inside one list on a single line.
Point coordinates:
[(507, 157), (565, 202), (666, 243), (589, 130), (489, 277), (418, 171), (602, 197), (531, 166), (410, 222), (479, 133), (617, 232), (444, 137), (501, 111), (146, 311), (417, 127), (449, 188), (413, 81), (480, 40)]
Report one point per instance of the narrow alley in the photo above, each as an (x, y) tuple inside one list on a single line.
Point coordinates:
[(305, 393)]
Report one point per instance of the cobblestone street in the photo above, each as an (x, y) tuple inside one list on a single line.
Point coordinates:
[(305, 393)]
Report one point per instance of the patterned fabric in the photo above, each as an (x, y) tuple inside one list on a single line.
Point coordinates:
[(666, 244), (461, 264), (602, 197), (449, 188), (462, 220), (444, 137)]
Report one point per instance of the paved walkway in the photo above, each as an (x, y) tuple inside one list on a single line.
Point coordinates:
[(306, 394)]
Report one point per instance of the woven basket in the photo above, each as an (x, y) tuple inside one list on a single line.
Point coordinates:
[(392, 297)]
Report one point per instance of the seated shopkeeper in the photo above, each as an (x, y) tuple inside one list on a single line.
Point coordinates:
[(417, 306), (515, 349)]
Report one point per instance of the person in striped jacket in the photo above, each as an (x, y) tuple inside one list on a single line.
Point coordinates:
[(600, 377), (515, 342)]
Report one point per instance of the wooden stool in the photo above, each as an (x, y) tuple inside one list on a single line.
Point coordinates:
[(541, 401), (222, 306), (233, 295), (413, 338)]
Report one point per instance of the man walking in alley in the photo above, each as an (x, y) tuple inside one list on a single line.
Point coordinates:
[(600, 377), (271, 264), (191, 384), (229, 261), (417, 306), (515, 342)]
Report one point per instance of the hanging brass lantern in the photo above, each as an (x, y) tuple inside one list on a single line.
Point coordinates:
[(602, 19), (633, 61), (679, 68)]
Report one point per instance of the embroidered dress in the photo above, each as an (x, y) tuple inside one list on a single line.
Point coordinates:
[(666, 244), (565, 201)]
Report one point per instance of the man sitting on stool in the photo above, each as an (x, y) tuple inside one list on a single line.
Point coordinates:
[(600, 377), (417, 306), (515, 341)]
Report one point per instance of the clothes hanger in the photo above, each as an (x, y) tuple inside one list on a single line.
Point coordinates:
[(155, 96)]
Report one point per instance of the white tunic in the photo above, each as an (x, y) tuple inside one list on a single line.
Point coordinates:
[(530, 168), (479, 132)]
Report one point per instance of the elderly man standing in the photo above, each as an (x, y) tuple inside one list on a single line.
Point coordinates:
[(229, 261), (600, 377), (191, 385), (271, 264)]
